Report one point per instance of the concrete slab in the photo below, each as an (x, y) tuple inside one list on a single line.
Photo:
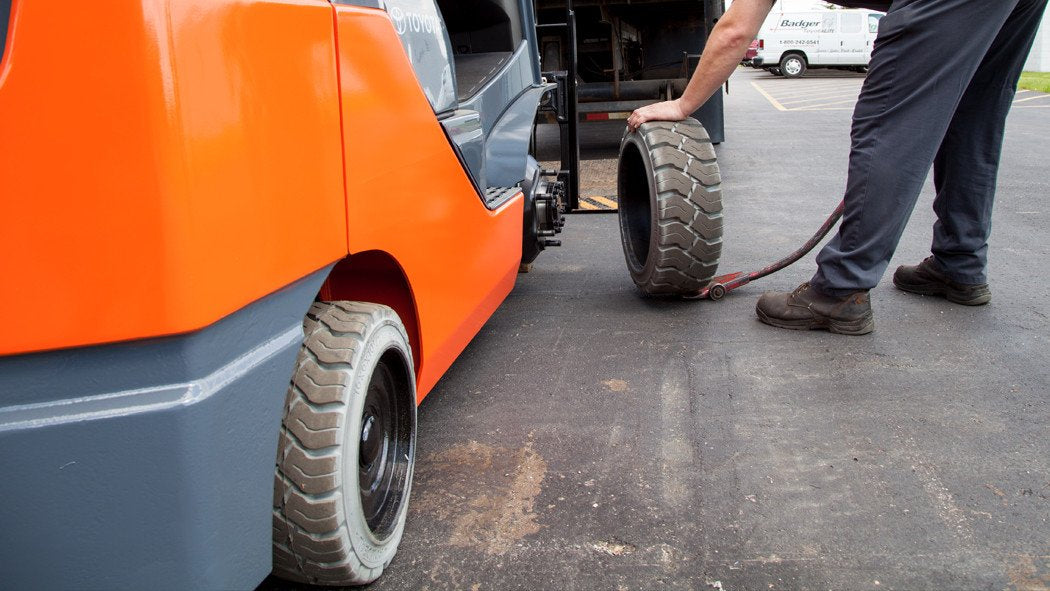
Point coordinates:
[(591, 438)]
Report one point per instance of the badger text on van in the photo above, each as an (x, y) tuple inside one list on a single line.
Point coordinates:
[(790, 43)]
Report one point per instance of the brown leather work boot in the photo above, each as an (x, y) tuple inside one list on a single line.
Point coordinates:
[(806, 309), (926, 278)]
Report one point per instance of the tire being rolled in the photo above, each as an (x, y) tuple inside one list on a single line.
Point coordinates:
[(670, 202)]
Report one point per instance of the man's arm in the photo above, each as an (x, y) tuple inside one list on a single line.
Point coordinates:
[(722, 53)]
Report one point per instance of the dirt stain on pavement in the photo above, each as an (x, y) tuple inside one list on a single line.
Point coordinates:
[(1030, 573), (486, 493), (613, 548), (943, 501), (615, 385)]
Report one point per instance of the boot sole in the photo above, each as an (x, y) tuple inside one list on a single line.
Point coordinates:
[(857, 327), (942, 290)]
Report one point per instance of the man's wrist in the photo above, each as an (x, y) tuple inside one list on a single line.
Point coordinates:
[(685, 106)]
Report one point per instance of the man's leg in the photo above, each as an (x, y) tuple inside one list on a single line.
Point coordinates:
[(967, 164), (918, 75)]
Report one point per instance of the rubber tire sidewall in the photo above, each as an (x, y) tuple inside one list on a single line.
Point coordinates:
[(642, 273), (372, 552)]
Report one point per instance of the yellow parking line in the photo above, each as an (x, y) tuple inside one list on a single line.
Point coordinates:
[(818, 91), (813, 83), (795, 95), (1031, 98), (819, 99), (771, 100), (796, 86), (584, 205), (808, 82), (825, 97), (604, 201), (815, 107)]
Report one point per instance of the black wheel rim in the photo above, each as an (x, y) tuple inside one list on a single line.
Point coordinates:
[(385, 453)]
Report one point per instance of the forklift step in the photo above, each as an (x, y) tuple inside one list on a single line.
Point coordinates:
[(496, 196)]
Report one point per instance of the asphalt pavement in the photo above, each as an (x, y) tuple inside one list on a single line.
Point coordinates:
[(593, 438)]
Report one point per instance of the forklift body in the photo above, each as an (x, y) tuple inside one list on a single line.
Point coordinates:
[(182, 181)]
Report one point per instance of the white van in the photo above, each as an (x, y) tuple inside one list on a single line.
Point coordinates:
[(789, 43)]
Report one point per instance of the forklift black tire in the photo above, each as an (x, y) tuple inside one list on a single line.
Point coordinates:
[(793, 65), (670, 202), (347, 447)]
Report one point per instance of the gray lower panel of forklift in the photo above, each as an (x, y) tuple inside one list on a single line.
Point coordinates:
[(149, 464)]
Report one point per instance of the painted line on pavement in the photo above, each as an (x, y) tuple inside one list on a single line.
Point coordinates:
[(820, 100), (597, 203), (823, 105), (1032, 98), (769, 98), (819, 92)]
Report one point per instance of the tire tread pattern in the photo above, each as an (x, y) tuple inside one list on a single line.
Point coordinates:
[(311, 542), (688, 205)]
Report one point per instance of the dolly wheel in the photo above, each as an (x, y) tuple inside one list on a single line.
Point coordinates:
[(347, 447)]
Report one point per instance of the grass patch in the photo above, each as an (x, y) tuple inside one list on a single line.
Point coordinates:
[(1039, 81)]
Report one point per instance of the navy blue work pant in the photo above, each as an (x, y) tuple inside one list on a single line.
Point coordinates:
[(942, 77)]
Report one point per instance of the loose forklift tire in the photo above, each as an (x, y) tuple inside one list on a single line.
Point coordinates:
[(670, 202), (347, 447)]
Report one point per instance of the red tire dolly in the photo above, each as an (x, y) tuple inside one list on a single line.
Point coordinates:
[(724, 284)]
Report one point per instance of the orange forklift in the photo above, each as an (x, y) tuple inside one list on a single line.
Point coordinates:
[(241, 231), (240, 241)]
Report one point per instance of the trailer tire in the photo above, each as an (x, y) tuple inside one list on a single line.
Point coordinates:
[(670, 204), (346, 452), (793, 65)]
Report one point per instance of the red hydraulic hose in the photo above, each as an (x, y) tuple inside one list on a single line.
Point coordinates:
[(723, 284)]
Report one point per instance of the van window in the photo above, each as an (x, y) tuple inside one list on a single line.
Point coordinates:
[(850, 22), (829, 22), (873, 22)]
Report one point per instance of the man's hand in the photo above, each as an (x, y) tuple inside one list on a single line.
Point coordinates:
[(665, 111)]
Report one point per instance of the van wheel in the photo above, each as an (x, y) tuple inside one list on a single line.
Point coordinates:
[(793, 65), (347, 447), (670, 202)]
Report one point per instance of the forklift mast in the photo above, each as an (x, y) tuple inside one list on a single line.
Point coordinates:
[(629, 53)]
